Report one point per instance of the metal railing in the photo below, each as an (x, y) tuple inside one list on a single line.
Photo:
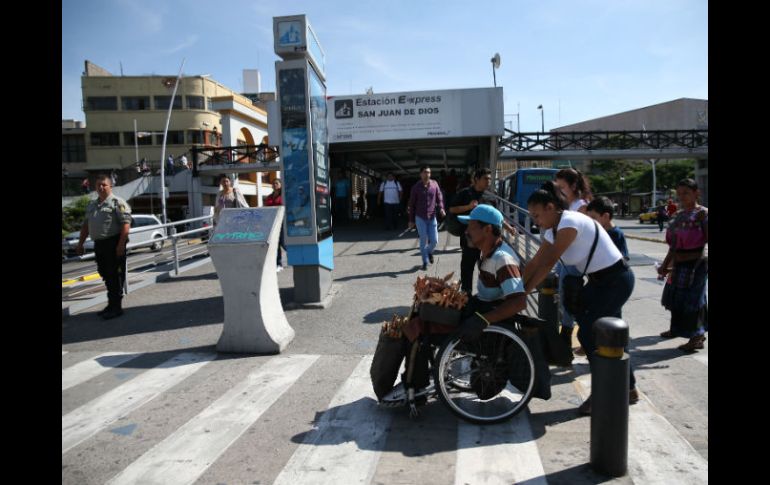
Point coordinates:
[(171, 235)]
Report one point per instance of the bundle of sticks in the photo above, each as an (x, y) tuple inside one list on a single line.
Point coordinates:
[(440, 291), (393, 328)]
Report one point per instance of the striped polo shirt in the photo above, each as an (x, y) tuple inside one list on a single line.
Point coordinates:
[(499, 275)]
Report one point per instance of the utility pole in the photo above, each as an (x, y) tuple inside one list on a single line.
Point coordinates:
[(163, 150)]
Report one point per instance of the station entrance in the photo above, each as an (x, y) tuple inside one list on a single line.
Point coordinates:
[(454, 132)]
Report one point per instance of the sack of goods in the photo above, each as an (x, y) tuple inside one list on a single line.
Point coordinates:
[(439, 300)]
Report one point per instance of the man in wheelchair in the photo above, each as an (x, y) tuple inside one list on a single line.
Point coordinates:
[(484, 362)]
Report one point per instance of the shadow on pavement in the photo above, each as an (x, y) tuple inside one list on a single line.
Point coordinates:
[(579, 474), (87, 326), (392, 274), (379, 316)]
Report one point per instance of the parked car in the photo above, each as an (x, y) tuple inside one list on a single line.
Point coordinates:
[(650, 216), (149, 237)]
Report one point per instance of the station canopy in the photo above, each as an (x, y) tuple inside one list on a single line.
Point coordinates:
[(399, 132)]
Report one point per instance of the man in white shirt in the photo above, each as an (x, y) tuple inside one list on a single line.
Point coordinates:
[(390, 191), (183, 161)]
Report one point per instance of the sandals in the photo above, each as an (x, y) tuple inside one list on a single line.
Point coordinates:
[(667, 334), (694, 344)]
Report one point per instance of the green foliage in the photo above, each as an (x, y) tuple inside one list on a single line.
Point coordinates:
[(72, 216), (605, 175)]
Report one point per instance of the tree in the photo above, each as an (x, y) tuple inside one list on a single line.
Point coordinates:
[(72, 216)]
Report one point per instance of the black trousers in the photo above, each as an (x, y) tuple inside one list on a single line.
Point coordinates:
[(470, 257), (111, 268)]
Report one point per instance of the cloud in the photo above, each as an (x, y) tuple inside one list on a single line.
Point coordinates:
[(189, 42)]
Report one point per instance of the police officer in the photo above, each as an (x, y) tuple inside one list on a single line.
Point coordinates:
[(108, 220)]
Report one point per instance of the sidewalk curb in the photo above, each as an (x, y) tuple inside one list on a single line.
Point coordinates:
[(102, 298), (644, 238)]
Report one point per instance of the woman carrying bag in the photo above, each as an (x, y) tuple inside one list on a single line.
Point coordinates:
[(579, 241), (228, 198)]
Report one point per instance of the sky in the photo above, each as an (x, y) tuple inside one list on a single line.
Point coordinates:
[(579, 59)]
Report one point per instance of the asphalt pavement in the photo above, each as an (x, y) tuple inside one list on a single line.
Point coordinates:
[(129, 411)]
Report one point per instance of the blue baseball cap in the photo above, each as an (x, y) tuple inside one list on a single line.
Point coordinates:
[(483, 213)]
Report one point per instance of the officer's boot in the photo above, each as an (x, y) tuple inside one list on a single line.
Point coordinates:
[(114, 309), (566, 335)]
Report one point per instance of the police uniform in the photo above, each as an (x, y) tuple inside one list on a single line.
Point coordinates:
[(105, 220)]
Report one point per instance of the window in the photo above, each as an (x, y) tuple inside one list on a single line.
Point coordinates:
[(174, 138), (73, 149), (194, 137), (135, 103), (128, 139), (161, 102), (105, 139), (102, 103), (195, 102)]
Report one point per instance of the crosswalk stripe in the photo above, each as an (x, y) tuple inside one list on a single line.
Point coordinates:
[(650, 437), (702, 358), (92, 417), (64, 352), (186, 454), (346, 445), (498, 454), (83, 371)]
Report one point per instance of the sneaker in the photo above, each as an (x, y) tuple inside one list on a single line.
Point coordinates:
[(693, 344), (667, 334), (424, 267), (430, 258), (279, 269), (633, 396), (104, 310)]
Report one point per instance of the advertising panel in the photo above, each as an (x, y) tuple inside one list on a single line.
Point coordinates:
[(294, 152), (320, 153), (450, 113)]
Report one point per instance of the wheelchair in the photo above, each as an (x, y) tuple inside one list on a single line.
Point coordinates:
[(488, 380)]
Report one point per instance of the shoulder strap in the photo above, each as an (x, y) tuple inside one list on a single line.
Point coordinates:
[(593, 247)]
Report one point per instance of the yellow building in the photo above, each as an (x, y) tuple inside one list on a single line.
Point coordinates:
[(119, 107)]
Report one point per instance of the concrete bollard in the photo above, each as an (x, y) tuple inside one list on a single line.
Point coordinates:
[(610, 368)]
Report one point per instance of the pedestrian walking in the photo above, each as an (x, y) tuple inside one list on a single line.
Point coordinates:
[(579, 241), (372, 194), (684, 294), (342, 197), (661, 216), (425, 203), (228, 198), (462, 204), (108, 221), (275, 199), (183, 162), (389, 197)]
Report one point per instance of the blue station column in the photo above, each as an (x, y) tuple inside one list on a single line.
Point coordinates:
[(301, 112)]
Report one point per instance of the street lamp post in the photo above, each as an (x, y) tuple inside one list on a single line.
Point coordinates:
[(163, 150), (542, 118), (623, 196)]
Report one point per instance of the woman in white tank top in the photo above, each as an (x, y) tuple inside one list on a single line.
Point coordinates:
[(569, 236)]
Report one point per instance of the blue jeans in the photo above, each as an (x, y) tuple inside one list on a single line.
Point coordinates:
[(562, 270), (604, 298), (428, 231)]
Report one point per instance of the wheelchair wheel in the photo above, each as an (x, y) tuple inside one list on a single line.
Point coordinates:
[(486, 381)]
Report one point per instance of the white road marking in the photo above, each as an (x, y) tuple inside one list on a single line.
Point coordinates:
[(186, 454), (657, 452), (90, 418), (83, 371), (346, 445), (702, 358), (498, 454), (64, 352)]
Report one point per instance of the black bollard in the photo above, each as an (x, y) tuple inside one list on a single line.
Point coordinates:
[(610, 368)]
